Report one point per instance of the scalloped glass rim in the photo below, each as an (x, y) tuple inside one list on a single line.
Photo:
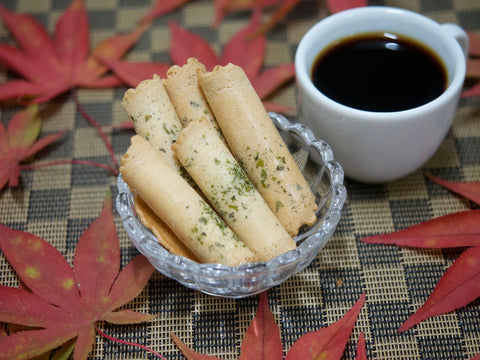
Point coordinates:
[(325, 177)]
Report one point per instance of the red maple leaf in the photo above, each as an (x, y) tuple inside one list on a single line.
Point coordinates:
[(52, 65), (224, 7), (460, 284), (262, 339), (162, 7), (64, 303), (240, 50), (473, 65), (19, 142)]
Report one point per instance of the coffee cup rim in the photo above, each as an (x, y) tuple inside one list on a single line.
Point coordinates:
[(303, 72)]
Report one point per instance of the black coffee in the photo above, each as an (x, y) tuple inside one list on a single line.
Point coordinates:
[(377, 72)]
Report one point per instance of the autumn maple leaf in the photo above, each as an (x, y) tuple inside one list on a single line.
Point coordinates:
[(460, 284), (64, 302), (19, 142), (223, 7), (51, 66), (247, 53), (162, 7), (262, 339), (473, 65)]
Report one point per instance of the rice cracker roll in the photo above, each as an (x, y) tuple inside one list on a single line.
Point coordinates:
[(258, 147), (153, 116), (209, 162), (165, 236), (185, 93), (182, 209)]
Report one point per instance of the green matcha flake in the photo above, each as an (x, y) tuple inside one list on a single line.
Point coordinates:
[(280, 167), (260, 163), (162, 149), (194, 104), (148, 117), (216, 161), (299, 187), (234, 207), (203, 220), (278, 205)]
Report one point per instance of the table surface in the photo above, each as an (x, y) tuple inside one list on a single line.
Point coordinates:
[(59, 202)]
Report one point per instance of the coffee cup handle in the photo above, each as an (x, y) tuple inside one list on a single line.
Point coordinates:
[(459, 34)]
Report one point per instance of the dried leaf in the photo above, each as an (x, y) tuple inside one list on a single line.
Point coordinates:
[(470, 190), (19, 142), (459, 286), (262, 339), (329, 342), (51, 66), (453, 230), (65, 303), (240, 50)]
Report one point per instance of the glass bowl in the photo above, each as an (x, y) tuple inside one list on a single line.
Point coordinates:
[(325, 177)]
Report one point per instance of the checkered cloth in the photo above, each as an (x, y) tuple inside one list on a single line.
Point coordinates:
[(59, 202)]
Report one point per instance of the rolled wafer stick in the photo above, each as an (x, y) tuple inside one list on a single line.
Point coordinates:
[(209, 162), (185, 93), (257, 145), (153, 116), (181, 208), (165, 236)]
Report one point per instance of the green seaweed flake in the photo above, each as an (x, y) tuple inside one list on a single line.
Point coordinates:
[(278, 205)]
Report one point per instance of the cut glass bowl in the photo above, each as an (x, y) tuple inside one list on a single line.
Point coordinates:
[(325, 177)]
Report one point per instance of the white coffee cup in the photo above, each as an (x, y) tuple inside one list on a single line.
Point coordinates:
[(381, 146)]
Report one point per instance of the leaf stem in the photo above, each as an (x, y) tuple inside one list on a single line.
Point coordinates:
[(97, 126), (128, 343), (73, 162)]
